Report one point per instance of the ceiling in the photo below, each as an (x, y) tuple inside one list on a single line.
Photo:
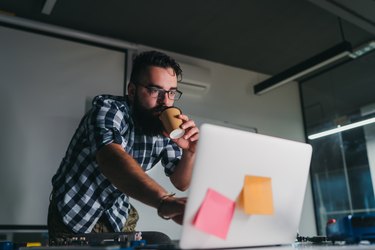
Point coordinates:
[(266, 36)]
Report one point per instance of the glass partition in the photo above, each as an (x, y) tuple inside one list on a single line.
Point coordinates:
[(343, 163)]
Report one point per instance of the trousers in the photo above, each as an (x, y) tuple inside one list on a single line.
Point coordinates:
[(57, 228)]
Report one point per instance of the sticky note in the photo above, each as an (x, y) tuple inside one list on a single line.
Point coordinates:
[(33, 244), (256, 195), (215, 214)]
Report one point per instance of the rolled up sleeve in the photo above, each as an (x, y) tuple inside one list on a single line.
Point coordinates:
[(107, 123)]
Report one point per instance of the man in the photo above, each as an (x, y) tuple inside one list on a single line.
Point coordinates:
[(116, 142)]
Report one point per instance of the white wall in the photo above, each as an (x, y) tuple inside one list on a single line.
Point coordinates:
[(33, 144), (230, 98), (45, 84)]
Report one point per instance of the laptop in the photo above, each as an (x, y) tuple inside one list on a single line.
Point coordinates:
[(221, 214)]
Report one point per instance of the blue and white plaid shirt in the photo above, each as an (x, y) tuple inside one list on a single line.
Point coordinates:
[(83, 194)]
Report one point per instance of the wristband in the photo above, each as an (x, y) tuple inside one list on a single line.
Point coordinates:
[(162, 199)]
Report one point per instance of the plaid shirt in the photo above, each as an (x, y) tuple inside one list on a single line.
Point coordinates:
[(83, 194)]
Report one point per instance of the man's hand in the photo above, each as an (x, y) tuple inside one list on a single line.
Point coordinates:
[(173, 208), (189, 140)]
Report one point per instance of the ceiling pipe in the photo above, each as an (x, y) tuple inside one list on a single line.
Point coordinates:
[(65, 33), (48, 6)]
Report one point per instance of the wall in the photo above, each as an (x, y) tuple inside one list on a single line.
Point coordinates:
[(45, 85), (58, 104)]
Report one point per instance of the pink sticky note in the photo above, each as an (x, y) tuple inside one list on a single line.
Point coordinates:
[(215, 214)]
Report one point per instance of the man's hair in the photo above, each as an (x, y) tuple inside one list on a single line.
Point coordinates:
[(143, 61)]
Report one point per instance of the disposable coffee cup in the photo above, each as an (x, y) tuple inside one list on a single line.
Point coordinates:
[(171, 122)]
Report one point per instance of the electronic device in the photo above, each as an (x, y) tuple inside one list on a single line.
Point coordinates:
[(352, 228), (94, 239), (224, 157), (110, 240)]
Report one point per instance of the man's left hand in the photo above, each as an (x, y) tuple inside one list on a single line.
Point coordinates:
[(189, 140)]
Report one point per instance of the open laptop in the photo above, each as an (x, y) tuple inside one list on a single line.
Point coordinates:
[(224, 157)]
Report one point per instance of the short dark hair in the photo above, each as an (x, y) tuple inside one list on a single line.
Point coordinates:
[(153, 58)]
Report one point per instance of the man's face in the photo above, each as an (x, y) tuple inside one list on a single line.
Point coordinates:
[(147, 107)]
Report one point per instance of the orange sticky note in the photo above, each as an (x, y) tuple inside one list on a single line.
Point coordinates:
[(215, 214), (256, 195)]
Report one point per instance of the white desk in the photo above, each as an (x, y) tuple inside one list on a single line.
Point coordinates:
[(310, 246), (299, 246)]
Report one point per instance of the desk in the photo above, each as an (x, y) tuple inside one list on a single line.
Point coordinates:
[(309, 246), (299, 246)]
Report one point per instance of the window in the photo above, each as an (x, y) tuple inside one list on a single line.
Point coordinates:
[(343, 164)]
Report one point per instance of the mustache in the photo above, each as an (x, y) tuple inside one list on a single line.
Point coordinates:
[(158, 108)]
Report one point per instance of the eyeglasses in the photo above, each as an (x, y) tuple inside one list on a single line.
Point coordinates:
[(156, 92)]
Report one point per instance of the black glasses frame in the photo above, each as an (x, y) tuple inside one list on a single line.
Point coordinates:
[(156, 92)]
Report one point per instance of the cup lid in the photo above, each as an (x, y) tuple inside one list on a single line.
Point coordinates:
[(177, 133)]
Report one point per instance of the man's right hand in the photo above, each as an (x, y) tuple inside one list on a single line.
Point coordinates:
[(173, 208)]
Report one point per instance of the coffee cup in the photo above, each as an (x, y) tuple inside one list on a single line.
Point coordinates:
[(171, 122)]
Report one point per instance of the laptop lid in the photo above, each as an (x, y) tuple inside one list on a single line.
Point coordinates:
[(227, 208)]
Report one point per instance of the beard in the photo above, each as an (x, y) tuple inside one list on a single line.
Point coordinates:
[(147, 120)]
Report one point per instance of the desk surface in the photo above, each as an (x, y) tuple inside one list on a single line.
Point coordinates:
[(299, 246), (308, 246)]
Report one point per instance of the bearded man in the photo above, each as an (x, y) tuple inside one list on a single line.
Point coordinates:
[(116, 142)]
